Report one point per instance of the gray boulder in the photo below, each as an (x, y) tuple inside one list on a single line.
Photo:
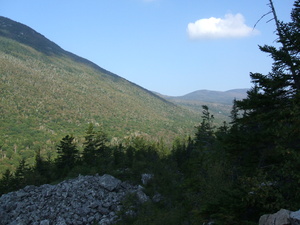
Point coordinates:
[(146, 177), (109, 182), (295, 218), (282, 217)]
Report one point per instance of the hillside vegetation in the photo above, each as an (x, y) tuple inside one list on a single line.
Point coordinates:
[(225, 175), (47, 92), (221, 97), (219, 102)]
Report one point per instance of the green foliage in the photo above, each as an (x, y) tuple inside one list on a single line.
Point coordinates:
[(47, 93), (205, 131), (6, 182), (94, 146), (271, 107), (68, 155), (226, 175), (263, 142), (219, 103)]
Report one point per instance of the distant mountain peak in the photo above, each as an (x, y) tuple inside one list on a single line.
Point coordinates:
[(223, 97)]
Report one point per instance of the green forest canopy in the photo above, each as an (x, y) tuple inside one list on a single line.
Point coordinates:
[(228, 175)]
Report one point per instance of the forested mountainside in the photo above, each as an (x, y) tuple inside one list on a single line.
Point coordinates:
[(219, 102), (47, 92), (226, 175), (222, 97)]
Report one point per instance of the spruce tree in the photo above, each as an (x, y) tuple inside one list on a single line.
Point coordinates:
[(68, 155), (94, 145), (264, 142), (271, 108), (7, 182), (204, 136)]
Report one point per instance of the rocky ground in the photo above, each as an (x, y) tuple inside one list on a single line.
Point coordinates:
[(84, 200)]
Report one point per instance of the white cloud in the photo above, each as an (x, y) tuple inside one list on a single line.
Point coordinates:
[(232, 26)]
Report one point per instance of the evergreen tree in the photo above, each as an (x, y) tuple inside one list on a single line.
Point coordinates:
[(204, 136), (21, 169), (286, 58), (264, 142), (272, 104), (119, 156), (6, 182), (68, 155), (94, 145), (42, 167)]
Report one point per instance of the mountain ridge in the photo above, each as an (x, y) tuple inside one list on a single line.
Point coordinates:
[(225, 97), (47, 93), (28, 36), (219, 102)]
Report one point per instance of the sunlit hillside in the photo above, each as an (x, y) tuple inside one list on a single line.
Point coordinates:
[(47, 92)]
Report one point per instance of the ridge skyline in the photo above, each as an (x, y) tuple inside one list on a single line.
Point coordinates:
[(151, 46)]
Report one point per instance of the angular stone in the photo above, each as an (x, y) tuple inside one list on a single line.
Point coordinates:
[(97, 216), (109, 182), (295, 218), (94, 205), (146, 178), (29, 188), (126, 185), (60, 221), (91, 219), (103, 211), (10, 206), (282, 217), (157, 198), (106, 204), (64, 194), (142, 197), (21, 194), (45, 222)]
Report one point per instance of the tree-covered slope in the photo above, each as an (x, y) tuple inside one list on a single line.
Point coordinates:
[(222, 97), (47, 92), (219, 102)]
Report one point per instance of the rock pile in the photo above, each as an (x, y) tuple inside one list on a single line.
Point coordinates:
[(84, 200)]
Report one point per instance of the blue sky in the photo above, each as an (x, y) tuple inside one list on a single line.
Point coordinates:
[(172, 47)]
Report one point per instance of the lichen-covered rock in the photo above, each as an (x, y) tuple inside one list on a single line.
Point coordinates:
[(84, 200)]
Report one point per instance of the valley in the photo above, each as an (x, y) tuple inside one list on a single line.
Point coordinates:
[(47, 92), (62, 117)]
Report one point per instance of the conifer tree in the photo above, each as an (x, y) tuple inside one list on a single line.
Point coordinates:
[(272, 104), (6, 182), (42, 167), (67, 155), (94, 145), (205, 131), (264, 142), (286, 58)]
